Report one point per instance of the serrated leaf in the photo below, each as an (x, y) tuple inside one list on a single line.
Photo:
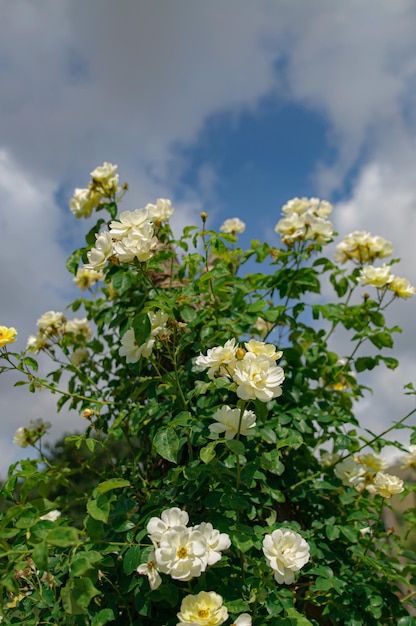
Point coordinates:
[(166, 444)]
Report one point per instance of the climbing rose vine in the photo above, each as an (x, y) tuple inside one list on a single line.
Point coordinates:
[(221, 477)]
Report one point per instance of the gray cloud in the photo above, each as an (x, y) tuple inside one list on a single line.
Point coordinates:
[(131, 82)]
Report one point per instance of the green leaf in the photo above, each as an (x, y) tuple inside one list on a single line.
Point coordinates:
[(382, 340), (365, 363), (63, 536), (72, 262), (103, 617), (77, 594), (332, 532), (236, 446), (31, 363), (40, 555), (84, 561), (142, 328), (166, 444), (298, 618), (99, 510), (112, 483), (208, 453), (132, 559), (238, 606)]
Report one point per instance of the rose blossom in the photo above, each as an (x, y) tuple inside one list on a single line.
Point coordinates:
[(86, 278), (215, 541), (101, 252), (409, 460), (168, 518), (83, 202), (182, 553), (222, 358), (286, 552), (258, 377), (233, 226), (150, 570), (401, 287), (204, 609), (130, 348), (387, 485), (7, 335), (379, 277), (228, 421), (350, 472), (161, 211)]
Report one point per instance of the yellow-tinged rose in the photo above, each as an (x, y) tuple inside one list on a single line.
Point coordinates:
[(7, 335), (205, 608), (387, 485), (401, 287)]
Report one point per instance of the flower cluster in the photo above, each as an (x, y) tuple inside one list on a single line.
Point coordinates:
[(53, 327), (305, 219), (286, 552), (25, 437), (103, 185), (382, 278), (362, 247), (253, 370), (366, 472), (181, 551), (7, 335), (129, 346), (131, 237), (86, 278)]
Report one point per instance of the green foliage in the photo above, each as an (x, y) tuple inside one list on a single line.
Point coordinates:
[(148, 445)]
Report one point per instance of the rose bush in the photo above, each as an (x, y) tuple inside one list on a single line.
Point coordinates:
[(221, 477)]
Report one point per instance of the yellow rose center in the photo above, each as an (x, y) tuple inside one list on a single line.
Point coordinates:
[(204, 613), (182, 553)]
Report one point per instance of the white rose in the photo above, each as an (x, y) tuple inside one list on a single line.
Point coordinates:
[(227, 421), (258, 377), (182, 553), (220, 358), (233, 226), (401, 287), (286, 552), (101, 252), (161, 211), (377, 276), (387, 485)]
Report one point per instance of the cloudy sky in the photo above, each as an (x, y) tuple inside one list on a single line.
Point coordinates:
[(230, 106)]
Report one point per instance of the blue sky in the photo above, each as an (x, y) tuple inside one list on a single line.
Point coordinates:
[(232, 107)]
